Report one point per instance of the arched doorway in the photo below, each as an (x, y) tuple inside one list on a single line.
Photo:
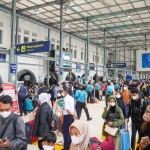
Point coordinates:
[(96, 78), (27, 76), (70, 77), (1, 81), (53, 78)]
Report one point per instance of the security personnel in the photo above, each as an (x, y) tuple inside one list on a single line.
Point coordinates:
[(81, 98)]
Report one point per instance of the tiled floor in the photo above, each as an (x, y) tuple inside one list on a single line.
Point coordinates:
[(95, 125)]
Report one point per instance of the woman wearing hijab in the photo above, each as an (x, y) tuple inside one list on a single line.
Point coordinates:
[(144, 136), (113, 118), (122, 105), (80, 135), (41, 122)]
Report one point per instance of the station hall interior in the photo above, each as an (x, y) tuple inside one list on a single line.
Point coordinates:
[(87, 38)]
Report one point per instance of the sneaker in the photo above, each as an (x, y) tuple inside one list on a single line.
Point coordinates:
[(89, 119)]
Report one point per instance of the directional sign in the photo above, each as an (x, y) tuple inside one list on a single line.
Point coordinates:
[(88, 73), (13, 68), (34, 47), (78, 68), (61, 71), (116, 65), (2, 57)]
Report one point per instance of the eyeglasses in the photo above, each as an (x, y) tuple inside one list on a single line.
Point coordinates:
[(147, 111)]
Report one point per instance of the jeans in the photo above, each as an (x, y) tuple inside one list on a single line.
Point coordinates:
[(79, 107), (22, 105), (40, 144), (136, 126)]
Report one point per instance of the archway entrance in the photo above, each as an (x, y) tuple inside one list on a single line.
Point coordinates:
[(53, 78), (70, 77), (96, 78), (27, 76)]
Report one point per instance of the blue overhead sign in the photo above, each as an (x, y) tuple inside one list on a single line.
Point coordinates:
[(2, 57), (116, 65), (34, 47), (78, 68), (61, 71), (13, 68)]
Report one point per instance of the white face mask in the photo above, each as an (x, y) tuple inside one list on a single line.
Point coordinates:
[(5, 114), (62, 94), (46, 147), (134, 97), (113, 104), (125, 88), (118, 96), (58, 95), (77, 140)]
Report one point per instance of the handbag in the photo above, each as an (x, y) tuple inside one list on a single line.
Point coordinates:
[(111, 130)]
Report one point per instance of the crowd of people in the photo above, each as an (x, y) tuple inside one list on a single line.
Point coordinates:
[(123, 100)]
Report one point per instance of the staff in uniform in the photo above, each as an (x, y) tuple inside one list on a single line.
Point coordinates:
[(69, 116)]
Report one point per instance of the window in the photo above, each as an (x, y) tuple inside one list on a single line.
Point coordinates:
[(81, 55), (58, 47), (1, 36), (67, 49), (93, 58), (33, 40), (71, 51), (26, 39), (96, 58), (19, 39), (75, 53)]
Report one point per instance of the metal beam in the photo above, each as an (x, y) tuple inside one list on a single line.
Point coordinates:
[(115, 28), (119, 13), (36, 7)]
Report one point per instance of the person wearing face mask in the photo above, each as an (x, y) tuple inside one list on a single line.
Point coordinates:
[(11, 138), (113, 118), (58, 110), (69, 116), (122, 105), (144, 135), (41, 123), (126, 95), (137, 109), (49, 140), (80, 135)]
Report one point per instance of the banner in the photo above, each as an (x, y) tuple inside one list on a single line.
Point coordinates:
[(9, 89)]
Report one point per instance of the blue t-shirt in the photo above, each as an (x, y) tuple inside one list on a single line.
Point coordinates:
[(98, 87), (83, 96), (89, 88), (36, 91), (77, 95)]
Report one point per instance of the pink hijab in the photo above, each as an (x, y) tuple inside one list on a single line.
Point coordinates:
[(84, 130)]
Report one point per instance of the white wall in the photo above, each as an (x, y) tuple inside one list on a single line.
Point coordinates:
[(42, 34)]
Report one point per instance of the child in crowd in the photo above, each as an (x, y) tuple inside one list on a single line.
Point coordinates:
[(49, 140)]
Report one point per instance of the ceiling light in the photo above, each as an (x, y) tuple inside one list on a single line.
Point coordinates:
[(66, 25), (139, 28), (37, 11), (129, 16), (85, 34), (117, 49), (99, 41)]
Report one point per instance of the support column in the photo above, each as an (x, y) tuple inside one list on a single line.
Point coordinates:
[(60, 71), (17, 42), (70, 44), (105, 71), (48, 55), (87, 70), (124, 61), (130, 62), (12, 76), (136, 74), (116, 69), (96, 64)]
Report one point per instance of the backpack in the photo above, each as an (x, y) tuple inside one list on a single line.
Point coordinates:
[(23, 92), (54, 122), (144, 88), (94, 143)]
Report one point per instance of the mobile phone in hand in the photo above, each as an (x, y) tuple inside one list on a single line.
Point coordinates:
[(145, 139)]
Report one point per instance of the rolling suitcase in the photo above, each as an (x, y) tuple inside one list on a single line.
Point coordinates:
[(125, 138)]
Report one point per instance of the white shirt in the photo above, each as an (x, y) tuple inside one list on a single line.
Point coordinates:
[(68, 104)]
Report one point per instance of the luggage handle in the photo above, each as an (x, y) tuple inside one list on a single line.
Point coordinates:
[(126, 126)]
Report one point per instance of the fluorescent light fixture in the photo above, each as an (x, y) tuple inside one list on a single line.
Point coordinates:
[(129, 16), (85, 34), (37, 11), (117, 49), (99, 41), (139, 28)]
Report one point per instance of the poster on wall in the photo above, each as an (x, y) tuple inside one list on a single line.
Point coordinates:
[(9, 89), (146, 60)]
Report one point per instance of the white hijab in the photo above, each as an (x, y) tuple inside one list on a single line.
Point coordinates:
[(43, 98)]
